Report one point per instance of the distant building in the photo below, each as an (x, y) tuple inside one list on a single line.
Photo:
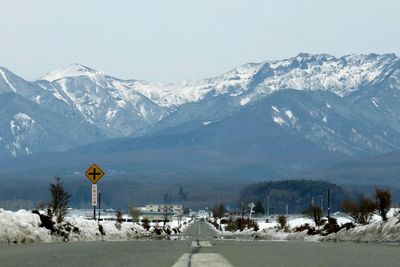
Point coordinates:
[(160, 212), (202, 214)]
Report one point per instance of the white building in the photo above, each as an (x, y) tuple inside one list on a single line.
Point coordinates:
[(160, 212)]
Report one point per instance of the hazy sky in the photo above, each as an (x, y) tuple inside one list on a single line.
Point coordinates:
[(171, 40)]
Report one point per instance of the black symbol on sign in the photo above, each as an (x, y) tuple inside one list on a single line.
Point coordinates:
[(94, 174)]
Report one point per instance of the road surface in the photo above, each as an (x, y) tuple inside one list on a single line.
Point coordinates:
[(199, 247)]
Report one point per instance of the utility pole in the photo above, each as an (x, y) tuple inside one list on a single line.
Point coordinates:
[(329, 202), (287, 209), (99, 204), (242, 210), (312, 201), (322, 204), (268, 206)]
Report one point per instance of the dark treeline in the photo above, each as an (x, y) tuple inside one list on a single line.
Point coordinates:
[(119, 193), (297, 195)]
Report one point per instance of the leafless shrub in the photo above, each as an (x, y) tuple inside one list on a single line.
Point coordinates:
[(119, 219), (146, 223), (315, 213), (360, 211), (59, 200), (241, 224), (383, 201), (282, 221)]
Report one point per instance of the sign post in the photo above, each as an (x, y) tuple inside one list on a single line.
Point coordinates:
[(94, 199), (94, 174)]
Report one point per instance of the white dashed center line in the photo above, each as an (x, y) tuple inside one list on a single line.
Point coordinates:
[(202, 260), (196, 244)]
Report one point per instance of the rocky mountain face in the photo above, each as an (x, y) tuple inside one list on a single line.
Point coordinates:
[(333, 106)]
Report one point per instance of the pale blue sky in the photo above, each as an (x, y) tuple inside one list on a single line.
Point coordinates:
[(172, 40)]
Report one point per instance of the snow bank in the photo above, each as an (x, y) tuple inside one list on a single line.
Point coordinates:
[(106, 230), (376, 231), (25, 227), (22, 227)]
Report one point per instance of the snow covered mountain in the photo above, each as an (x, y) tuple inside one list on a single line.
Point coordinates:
[(93, 106)]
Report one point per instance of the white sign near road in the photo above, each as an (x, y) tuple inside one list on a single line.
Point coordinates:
[(94, 195)]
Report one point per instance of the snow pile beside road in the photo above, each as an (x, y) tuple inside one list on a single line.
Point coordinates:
[(105, 230), (26, 227), (22, 227), (377, 231)]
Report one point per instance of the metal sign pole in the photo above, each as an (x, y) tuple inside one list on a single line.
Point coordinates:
[(99, 204)]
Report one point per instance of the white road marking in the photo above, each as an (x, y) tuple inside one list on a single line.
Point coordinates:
[(205, 244), (202, 260), (196, 244)]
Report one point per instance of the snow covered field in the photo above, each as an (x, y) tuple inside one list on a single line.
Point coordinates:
[(24, 227)]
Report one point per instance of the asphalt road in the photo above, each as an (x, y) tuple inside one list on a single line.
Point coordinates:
[(199, 247)]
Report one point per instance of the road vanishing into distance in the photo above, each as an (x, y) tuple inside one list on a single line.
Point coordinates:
[(199, 246)]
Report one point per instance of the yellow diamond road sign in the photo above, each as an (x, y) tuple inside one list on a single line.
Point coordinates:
[(94, 173)]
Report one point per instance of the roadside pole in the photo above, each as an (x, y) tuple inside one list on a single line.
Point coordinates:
[(329, 202), (99, 205), (251, 206)]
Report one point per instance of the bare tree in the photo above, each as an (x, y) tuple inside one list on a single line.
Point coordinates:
[(316, 214), (59, 200), (282, 221), (366, 209), (383, 201), (218, 211), (119, 219)]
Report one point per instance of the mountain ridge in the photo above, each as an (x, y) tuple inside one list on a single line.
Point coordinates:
[(107, 107)]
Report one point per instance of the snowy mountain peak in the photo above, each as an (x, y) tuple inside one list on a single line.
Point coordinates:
[(72, 70)]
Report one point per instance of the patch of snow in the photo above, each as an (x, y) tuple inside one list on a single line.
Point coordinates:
[(245, 101), (111, 114), (68, 71), (278, 120), (289, 114), (37, 99), (24, 120), (28, 151), (375, 102), (7, 81), (205, 123), (275, 109)]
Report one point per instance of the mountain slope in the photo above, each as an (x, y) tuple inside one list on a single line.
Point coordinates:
[(26, 128)]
